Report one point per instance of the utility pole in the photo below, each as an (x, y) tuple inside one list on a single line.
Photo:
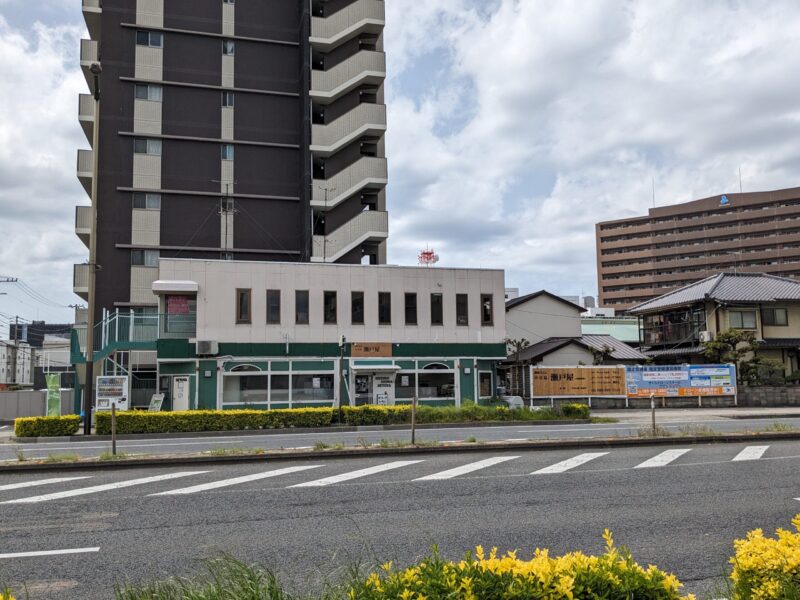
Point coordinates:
[(224, 210), (325, 212)]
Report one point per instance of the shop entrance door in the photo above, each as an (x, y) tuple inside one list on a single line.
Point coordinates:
[(363, 386)]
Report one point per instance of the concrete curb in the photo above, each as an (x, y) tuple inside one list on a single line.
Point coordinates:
[(294, 455)]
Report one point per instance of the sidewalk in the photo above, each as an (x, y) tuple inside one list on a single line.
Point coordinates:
[(667, 415)]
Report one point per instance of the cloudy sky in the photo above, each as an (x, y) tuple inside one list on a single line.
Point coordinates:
[(514, 126)]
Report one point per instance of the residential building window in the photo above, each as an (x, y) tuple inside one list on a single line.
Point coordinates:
[(147, 146), (227, 151), (147, 201), (227, 204), (301, 307), (148, 92), (462, 309), (329, 308), (243, 297), (144, 258), (742, 319), (411, 309), (227, 99), (487, 309), (228, 47), (228, 2), (774, 316), (437, 309), (384, 308), (153, 39), (273, 307), (357, 308)]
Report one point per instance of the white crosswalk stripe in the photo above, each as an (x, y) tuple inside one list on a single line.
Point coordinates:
[(751, 453), (103, 488), (663, 459), (27, 484), (469, 468), (357, 474), (235, 481), (570, 463)]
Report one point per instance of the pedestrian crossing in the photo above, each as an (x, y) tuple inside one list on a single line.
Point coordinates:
[(378, 471)]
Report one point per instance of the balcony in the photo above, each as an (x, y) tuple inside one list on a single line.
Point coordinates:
[(80, 280), (85, 169), (368, 226), (83, 223), (86, 115), (90, 53), (363, 68), (93, 15), (363, 120), (362, 16), (365, 173)]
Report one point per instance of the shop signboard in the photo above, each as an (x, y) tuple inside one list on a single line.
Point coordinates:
[(553, 382), (370, 349), (666, 381)]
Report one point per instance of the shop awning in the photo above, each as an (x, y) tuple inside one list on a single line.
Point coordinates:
[(392, 368), (165, 286)]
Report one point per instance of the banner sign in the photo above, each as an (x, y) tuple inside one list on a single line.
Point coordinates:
[(53, 395), (178, 305), (680, 380), (370, 350), (552, 382), (112, 389)]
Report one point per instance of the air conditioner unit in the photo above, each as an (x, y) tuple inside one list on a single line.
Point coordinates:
[(706, 336), (207, 347)]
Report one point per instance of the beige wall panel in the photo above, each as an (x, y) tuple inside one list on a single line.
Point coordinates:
[(226, 177), (149, 63), (147, 117), (150, 13), (142, 279), (227, 122), (146, 227), (146, 172), (228, 19), (227, 70)]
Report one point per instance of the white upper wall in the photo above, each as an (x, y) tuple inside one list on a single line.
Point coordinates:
[(543, 317), (218, 281)]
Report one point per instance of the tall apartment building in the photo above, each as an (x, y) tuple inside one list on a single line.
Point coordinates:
[(644, 257), (230, 129)]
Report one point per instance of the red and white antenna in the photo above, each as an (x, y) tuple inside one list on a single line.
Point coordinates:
[(428, 257)]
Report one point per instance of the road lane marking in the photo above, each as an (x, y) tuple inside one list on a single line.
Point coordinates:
[(50, 552), (25, 484), (751, 453), (357, 474), (663, 459), (104, 488), (3, 427), (570, 463), (235, 481), (468, 468)]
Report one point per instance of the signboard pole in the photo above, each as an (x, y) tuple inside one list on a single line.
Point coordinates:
[(414, 420), (653, 411), (113, 428)]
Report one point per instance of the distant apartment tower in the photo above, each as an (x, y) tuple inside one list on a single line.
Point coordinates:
[(644, 257), (247, 130)]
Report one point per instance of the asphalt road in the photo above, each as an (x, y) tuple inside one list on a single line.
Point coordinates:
[(681, 512)]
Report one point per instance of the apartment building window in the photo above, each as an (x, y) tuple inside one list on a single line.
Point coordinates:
[(462, 309), (357, 308), (144, 258), (228, 2), (153, 93), (227, 151), (153, 39), (384, 308), (742, 319), (243, 297), (487, 309), (329, 307), (774, 317), (437, 309), (147, 146), (227, 99), (301, 307), (227, 204), (228, 47), (411, 309), (147, 201), (273, 307)]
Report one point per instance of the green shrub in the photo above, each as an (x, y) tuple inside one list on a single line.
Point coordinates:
[(46, 426), (374, 415), (575, 410)]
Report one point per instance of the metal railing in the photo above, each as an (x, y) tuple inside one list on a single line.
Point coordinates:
[(366, 171), (80, 276), (85, 163), (89, 51), (347, 21), (349, 126), (92, 4), (366, 225), (83, 217), (349, 73)]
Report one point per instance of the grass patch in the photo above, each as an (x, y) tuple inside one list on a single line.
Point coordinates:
[(237, 451), (778, 427), (20, 455), (647, 432), (603, 420), (384, 443), (471, 439), (62, 458), (697, 431), (107, 455), (427, 443), (321, 446), (364, 443)]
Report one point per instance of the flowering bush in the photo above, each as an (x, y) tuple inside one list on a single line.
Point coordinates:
[(612, 576), (5, 594), (767, 568)]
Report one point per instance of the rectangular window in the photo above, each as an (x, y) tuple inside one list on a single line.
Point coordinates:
[(148, 92), (437, 310), (227, 205), (144, 258), (774, 316), (153, 39), (301, 307), (147, 201), (243, 297), (411, 309), (357, 308), (384, 308), (487, 309), (742, 319), (227, 99), (273, 307), (329, 308), (147, 146), (228, 47), (462, 309), (227, 151), (228, 2), (312, 387)]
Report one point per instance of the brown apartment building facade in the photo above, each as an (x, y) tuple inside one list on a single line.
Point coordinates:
[(229, 129), (641, 258)]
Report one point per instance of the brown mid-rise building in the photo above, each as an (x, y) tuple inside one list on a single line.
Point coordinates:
[(645, 257)]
